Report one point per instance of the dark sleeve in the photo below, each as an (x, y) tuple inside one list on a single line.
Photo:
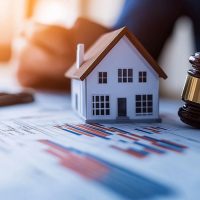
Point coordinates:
[(151, 21)]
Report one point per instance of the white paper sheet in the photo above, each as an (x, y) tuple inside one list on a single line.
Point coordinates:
[(47, 152)]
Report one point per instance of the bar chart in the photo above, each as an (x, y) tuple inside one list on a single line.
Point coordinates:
[(138, 143)]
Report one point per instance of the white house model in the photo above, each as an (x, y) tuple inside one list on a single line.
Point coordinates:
[(116, 80)]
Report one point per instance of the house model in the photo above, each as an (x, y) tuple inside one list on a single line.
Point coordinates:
[(115, 80)]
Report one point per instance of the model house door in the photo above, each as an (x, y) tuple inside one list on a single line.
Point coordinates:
[(122, 107)]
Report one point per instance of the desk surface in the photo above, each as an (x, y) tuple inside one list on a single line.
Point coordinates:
[(46, 152)]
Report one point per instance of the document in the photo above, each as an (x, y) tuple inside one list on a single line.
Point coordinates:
[(50, 153)]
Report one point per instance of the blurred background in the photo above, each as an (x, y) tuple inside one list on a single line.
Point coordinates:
[(15, 13)]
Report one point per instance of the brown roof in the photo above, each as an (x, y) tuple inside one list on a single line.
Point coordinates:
[(100, 49)]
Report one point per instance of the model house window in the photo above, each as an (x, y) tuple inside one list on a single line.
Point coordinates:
[(101, 105), (143, 77), (144, 104), (125, 75), (102, 77)]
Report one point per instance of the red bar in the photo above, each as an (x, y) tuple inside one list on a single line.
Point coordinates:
[(92, 131), (130, 152), (126, 136), (153, 130), (78, 131), (173, 143)]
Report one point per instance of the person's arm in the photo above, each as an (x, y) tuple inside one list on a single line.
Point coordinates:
[(151, 21), (50, 50), (43, 56)]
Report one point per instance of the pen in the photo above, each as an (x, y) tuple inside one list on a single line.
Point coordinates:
[(8, 99)]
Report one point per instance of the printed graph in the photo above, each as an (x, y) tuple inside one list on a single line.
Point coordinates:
[(128, 184), (139, 143)]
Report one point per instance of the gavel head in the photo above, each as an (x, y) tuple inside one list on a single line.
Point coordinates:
[(190, 112)]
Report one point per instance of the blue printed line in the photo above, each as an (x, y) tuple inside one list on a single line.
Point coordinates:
[(170, 146), (142, 152), (152, 139), (70, 131), (170, 143), (143, 131), (79, 129), (150, 148), (97, 129), (118, 129), (123, 141)]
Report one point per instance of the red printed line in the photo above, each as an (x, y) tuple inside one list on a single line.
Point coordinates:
[(175, 144), (130, 152), (102, 127), (138, 136), (129, 137), (152, 130), (78, 131), (92, 130), (164, 147), (134, 153)]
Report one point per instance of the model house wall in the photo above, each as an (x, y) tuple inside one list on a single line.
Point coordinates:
[(116, 80), (79, 97), (122, 56)]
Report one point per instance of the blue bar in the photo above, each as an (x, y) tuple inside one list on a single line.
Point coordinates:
[(70, 131), (77, 128), (144, 131), (118, 129), (97, 128), (150, 147), (177, 145), (123, 141), (152, 139), (170, 146)]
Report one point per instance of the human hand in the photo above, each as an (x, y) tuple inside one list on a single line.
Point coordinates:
[(48, 51), (43, 55)]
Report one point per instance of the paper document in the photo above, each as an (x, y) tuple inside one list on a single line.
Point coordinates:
[(52, 154)]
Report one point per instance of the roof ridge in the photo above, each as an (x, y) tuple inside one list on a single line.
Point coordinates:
[(94, 59)]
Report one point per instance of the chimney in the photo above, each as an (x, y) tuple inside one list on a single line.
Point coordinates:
[(80, 55)]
